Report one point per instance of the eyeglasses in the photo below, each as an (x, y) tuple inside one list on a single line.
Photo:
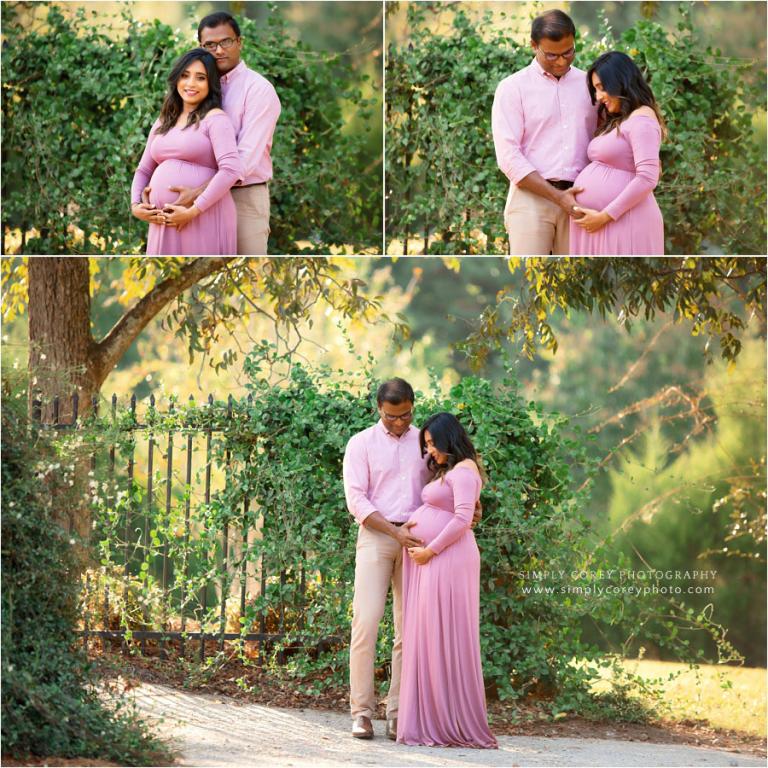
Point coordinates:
[(569, 54), (401, 417), (227, 42)]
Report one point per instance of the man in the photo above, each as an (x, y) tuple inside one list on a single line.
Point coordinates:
[(252, 105), (384, 474), (543, 120)]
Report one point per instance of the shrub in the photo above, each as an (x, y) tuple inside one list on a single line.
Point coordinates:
[(283, 448), (50, 701), (278, 502), (443, 182)]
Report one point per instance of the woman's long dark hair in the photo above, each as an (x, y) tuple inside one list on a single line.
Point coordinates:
[(450, 438), (623, 80), (173, 105)]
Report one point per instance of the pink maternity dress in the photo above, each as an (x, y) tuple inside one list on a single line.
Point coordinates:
[(442, 696), (620, 179), (187, 158)]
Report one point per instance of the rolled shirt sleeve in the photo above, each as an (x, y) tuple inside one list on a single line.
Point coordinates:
[(357, 479), (262, 109), (507, 124)]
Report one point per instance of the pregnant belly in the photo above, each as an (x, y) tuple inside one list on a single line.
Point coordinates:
[(602, 185), (176, 173), (429, 522)]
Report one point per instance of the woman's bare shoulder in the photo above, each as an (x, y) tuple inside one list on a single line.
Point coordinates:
[(644, 112), (216, 111), (469, 464)]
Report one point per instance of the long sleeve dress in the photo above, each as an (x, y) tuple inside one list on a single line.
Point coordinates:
[(189, 157), (442, 695), (620, 179)]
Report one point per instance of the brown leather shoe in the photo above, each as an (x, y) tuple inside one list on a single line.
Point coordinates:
[(392, 728), (362, 727)]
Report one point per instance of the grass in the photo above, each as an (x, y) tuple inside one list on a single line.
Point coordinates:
[(726, 697)]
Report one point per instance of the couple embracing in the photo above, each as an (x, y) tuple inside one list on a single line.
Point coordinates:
[(415, 495), (581, 150), (202, 182)]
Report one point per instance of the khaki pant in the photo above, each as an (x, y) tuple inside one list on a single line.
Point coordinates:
[(535, 225), (252, 205), (378, 562)]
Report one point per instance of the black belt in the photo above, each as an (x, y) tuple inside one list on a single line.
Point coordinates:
[(255, 184), (560, 184)]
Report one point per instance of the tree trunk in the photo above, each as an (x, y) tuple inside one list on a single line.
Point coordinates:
[(60, 350), (63, 355), (61, 346), (64, 358)]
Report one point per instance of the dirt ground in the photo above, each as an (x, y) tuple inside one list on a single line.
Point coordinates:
[(517, 719), (218, 730), (231, 716)]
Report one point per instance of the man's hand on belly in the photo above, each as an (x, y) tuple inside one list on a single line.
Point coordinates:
[(406, 538), (187, 195), (565, 198), (568, 203), (477, 515)]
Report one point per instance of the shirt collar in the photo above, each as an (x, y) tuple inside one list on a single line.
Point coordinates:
[(538, 68), (233, 73), (384, 429)]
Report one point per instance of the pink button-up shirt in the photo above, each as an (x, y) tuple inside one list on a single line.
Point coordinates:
[(384, 473), (543, 124), (252, 104)]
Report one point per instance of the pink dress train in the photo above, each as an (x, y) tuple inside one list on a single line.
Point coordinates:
[(442, 696), (620, 180), (187, 158)]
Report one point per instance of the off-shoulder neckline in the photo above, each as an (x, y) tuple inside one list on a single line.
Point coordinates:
[(647, 117), (181, 127), (474, 470)]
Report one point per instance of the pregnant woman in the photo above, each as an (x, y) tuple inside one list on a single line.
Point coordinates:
[(621, 216), (192, 142), (442, 696)]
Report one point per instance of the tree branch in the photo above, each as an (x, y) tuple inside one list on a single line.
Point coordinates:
[(113, 346)]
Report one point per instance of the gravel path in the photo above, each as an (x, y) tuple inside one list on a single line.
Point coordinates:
[(215, 730)]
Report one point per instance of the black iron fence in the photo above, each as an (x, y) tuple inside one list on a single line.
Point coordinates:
[(143, 558)]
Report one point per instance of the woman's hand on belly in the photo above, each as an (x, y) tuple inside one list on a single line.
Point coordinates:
[(592, 220), (420, 555), (178, 216), (147, 212)]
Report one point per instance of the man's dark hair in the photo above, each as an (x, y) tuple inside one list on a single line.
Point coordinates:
[(554, 25), (214, 19), (395, 391)]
